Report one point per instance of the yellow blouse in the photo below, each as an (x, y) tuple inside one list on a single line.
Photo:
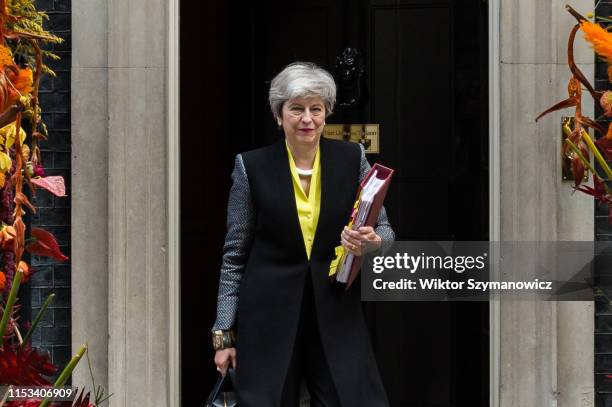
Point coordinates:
[(308, 206)]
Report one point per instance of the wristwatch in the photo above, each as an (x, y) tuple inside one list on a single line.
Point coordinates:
[(223, 339)]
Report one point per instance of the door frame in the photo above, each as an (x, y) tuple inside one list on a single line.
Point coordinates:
[(173, 198), (494, 192), (174, 202)]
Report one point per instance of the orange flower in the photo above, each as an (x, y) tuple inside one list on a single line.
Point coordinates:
[(22, 81), (606, 103), (23, 266), (600, 39), (6, 58), (25, 152), (2, 280), (608, 135), (7, 237)]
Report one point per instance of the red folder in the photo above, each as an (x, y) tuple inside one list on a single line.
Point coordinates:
[(384, 174)]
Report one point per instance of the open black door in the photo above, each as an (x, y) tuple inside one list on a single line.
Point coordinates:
[(424, 82)]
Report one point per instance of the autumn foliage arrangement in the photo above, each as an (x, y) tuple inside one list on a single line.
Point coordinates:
[(579, 145), (22, 39)]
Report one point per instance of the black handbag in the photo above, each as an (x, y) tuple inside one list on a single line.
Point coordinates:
[(222, 395)]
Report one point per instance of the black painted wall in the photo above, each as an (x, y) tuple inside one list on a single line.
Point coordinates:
[(603, 231), (53, 214)]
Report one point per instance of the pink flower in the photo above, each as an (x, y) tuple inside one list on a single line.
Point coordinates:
[(39, 171)]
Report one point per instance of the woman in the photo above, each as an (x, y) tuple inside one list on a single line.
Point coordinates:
[(287, 209)]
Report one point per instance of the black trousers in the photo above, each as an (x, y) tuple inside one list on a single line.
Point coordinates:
[(308, 361)]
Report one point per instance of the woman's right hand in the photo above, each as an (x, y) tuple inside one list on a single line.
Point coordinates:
[(223, 357)]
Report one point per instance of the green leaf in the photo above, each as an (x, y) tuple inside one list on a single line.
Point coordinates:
[(43, 309), (63, 377), (8, 309)]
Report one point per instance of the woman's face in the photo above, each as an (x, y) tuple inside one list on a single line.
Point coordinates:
[(303, 120)]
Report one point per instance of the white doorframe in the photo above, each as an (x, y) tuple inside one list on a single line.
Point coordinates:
[(174, 196), (494, 192)]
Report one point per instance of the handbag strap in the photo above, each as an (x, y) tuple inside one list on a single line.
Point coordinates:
[(222, 383), (231, 372)]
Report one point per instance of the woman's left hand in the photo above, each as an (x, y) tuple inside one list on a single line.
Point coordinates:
[(360, 241)]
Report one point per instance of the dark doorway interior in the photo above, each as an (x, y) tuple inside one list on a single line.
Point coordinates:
[(425, 83)]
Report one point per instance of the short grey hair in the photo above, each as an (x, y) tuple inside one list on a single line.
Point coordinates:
[(302, 79)]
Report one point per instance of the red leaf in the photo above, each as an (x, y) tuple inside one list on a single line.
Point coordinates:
[(592, 124), (558, 106), (53, 184), (578, 170), (83, 400), (599, 192), (605, 146), (45, 245), (24, 366)]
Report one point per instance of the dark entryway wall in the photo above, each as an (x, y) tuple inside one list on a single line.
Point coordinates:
[(426, 79), (53, 213), (603, 231)]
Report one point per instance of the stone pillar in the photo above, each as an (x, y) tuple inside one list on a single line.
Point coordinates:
[(139, 316), (89, 221), (546, 348), (125, 207)]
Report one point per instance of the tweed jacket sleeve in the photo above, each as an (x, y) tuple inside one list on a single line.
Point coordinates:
[(383, 227), (240, 224)]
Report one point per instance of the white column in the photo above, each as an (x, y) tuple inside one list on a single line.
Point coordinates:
[(89, 129), (546, 348), (139, 292)]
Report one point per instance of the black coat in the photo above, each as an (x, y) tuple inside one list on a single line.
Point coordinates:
[(271, 288)]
